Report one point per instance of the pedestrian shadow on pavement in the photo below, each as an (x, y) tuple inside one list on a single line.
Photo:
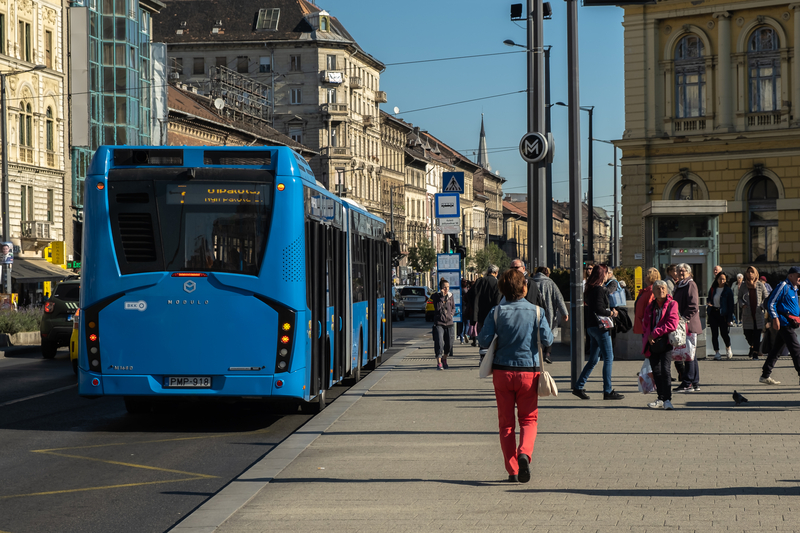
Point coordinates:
[(751, 405), (672, 493), (328, 433), (463, 482)]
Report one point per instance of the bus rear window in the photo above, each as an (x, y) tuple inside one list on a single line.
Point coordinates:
[(202, 225), (219, 227)]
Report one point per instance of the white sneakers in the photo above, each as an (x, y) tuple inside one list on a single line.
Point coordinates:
[(658, 404), (717, 357), (729, 353), (769, 381)]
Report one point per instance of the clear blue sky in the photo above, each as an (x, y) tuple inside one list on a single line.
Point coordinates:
[(418, 30)]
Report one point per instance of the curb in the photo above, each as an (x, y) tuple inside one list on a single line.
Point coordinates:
[(236, 494)]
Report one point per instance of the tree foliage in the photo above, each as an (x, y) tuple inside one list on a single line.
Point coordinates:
[(491, 255), (422, 257)]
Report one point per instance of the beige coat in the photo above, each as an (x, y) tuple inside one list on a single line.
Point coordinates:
[(744, 300)]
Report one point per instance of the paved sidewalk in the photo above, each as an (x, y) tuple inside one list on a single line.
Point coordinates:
[(420, 452)]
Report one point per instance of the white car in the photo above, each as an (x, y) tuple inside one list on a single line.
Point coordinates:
[(415, 298)]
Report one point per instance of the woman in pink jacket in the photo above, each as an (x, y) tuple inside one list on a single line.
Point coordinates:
[(660, 319)]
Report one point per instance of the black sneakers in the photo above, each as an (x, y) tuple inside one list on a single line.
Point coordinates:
[(524, 468), (580, 393), (613, 395)]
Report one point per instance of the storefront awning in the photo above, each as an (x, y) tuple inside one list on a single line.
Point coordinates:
[(37, 270)]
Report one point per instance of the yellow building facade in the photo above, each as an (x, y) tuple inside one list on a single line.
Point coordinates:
[(711, 148)]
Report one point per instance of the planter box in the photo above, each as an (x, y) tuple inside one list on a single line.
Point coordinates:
[(25, 338)]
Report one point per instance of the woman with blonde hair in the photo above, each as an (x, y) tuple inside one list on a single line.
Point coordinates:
[(644, 298), (751, 296)]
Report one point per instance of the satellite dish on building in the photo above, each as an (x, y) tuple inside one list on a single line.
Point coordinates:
[(219, 103), (396, 110)]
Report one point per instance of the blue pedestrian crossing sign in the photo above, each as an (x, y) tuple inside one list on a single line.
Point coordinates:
[(453, 182)]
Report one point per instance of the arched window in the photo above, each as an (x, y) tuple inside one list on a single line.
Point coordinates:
[(764, 62), (686, 190), (690, 78), (762, 214)]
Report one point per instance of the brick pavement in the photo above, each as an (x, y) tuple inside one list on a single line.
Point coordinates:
[(420, 452)]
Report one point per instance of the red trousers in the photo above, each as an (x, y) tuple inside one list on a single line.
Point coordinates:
[(518, 389)]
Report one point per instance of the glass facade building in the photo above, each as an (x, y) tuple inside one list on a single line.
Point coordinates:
[(116, 37)]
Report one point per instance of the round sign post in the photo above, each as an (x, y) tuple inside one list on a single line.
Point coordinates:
[(533, 147)]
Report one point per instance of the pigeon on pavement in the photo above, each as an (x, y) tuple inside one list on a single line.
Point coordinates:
[(738, 398)]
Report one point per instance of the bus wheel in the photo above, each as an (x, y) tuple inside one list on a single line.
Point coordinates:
[(137, 406)]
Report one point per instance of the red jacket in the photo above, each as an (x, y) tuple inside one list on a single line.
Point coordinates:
[(644, 298), (668, 323)]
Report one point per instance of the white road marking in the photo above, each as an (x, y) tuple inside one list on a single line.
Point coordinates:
[(38, 395)]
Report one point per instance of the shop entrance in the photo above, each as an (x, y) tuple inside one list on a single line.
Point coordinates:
[(683, 239)]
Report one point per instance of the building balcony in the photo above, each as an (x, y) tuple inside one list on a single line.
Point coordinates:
[(689, 126), (356, 83), (380, 97), (337, 152), (763, 120), (334, 77), (37, 229), (335, 111), (367, 120)]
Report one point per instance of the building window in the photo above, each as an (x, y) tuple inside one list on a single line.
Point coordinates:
[(764, 62), (199, 66), (221, 61), (296, 134), (242, 64), (296, 95), (24, 41), (324, 24), (49, 140), (50, 205), (762, 212), (331, 62), (265, 64), (686, 190), (26, 125), (294, 63), (48, 49), (177, 65), (331, 96), (26, 203), (2, 33), (690, 78)]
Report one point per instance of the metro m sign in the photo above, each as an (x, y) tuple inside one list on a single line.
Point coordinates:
[(533, 147)]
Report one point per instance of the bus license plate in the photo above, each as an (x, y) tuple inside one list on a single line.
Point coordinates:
[(188, 382)]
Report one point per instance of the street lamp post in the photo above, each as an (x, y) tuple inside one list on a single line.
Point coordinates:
[(4, 143)]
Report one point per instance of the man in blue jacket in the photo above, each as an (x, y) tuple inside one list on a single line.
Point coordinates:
[(783, 311)]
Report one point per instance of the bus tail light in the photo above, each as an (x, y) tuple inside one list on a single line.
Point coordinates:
[(283, 352), (49, 307), (91, 322)]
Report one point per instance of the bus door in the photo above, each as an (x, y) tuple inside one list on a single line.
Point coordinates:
[(372, 308), (317, 293), (341, 311), (387, 294)]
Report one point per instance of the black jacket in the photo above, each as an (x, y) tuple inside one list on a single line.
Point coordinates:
[(487, 295), (595, 302)]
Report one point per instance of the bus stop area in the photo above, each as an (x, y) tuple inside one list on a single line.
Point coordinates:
[(411, 448)]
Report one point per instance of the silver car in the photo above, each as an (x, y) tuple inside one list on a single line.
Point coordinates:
[(415, 298)]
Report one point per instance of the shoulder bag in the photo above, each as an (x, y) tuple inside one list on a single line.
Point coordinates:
[(547, 386), (485, 369)]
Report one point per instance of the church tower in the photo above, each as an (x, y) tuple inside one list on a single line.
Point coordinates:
[(483, 155)]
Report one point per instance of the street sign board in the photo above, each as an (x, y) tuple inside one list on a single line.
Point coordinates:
[(453, 182), (533, 147), (449, 268), (448, 226), (447, 205)]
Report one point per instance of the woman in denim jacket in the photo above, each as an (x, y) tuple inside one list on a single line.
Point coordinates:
[(516, 370)]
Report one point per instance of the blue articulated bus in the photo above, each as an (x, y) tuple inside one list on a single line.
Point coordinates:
[(225, 271)]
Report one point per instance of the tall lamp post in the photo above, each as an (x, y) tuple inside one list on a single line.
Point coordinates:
[(615, 230), (4, 143), (589, 185)]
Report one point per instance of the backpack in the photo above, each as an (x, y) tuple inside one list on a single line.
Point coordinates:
[(616, 294)]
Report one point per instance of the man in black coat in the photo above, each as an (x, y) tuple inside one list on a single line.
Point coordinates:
[(487, 295)]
